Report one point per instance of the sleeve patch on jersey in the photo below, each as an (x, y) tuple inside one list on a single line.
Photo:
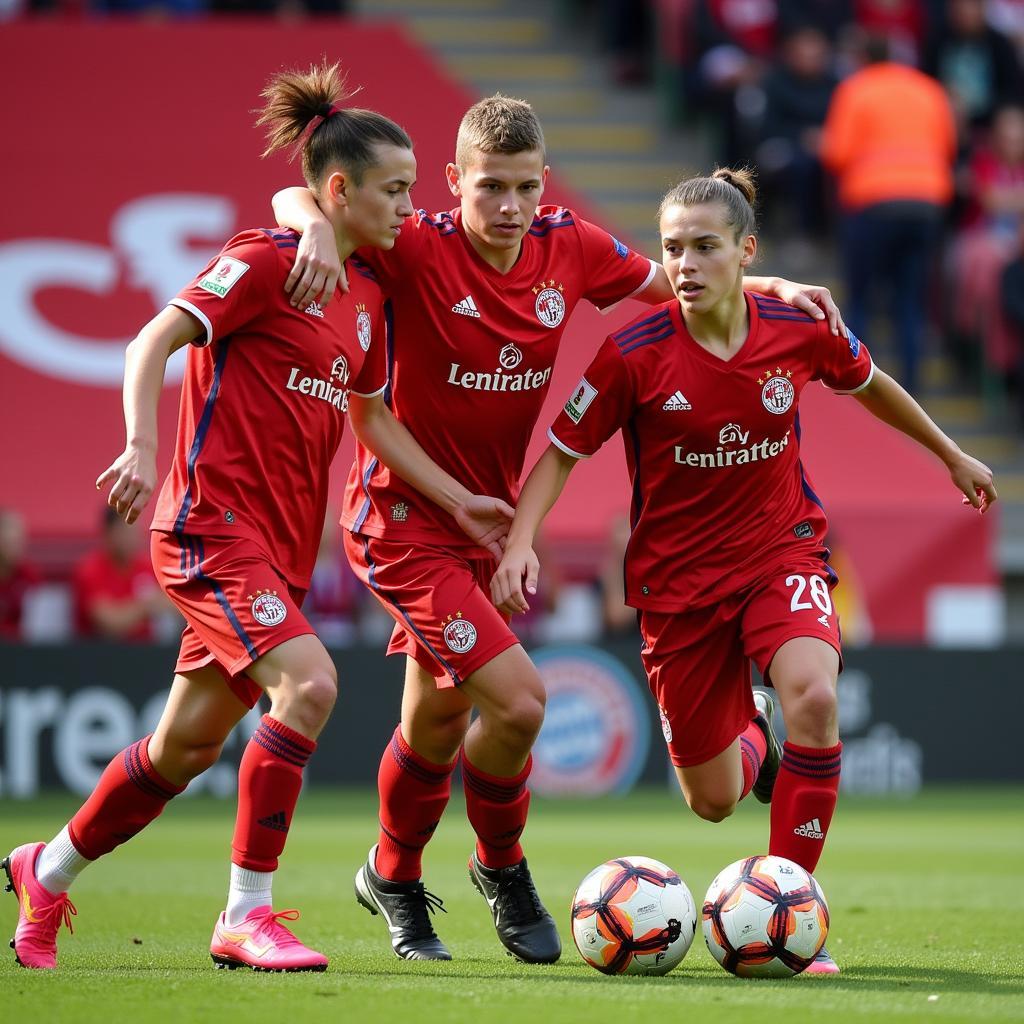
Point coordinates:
[(224, 276), (584, 394), (620, 250), (854, 344)]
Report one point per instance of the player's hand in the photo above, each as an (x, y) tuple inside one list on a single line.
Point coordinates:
[(813, 299), (517, 571), (317, 270), (133, 478), (486, 521), (974, 478)]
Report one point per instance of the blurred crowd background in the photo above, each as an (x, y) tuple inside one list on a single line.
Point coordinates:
[(888, 140)]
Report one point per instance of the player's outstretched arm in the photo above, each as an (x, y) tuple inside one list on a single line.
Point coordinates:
[(483, 519), (885, 399), (317, 270), (132, 475), (519, 566)]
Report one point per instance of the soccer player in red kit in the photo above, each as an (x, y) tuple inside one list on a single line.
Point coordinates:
[(726, 562), (239, 518), (478, 301)]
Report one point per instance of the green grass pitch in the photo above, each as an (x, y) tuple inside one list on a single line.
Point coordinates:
[(926, 897)]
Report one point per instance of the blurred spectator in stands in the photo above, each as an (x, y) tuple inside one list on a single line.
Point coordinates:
[(116, 594), (797, 89), (903, 23), (987, 241), (890, 141), (335, 595), (1008, 17), (829, 17), (626, 31), (1012, 300), (736, 39), (617, 618), (18, 576), (287, 9), (976, 63)]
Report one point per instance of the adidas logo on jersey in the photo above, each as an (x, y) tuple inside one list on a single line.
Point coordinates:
[(677, 403), (810, 830), (314, 310), (467, 307)]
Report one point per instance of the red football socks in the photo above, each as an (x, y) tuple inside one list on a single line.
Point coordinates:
[(128, 796), (497, 809), (413, 795), (269, 780), (753, 747), (803, 802)]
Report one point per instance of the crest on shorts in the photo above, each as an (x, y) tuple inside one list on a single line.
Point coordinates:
[(459, 633), (777, 391), (666, 725), (550, 305), (267, 608), (363, 327)]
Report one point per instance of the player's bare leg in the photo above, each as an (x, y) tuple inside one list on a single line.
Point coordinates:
[(804, 673), (300, 679), (414, 783), (133, 790), (509, 695)]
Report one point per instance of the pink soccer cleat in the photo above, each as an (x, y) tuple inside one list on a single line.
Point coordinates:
[(263, 943), (40, 912), (822, 964)]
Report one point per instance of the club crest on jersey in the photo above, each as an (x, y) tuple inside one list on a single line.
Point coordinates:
[(363, 327), (224, 276), (550, 305), (459, 633), (510, 357), (580, 401), (777, 391), (267, 608)]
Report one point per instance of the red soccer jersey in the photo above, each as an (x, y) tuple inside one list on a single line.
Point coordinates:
[(713, 447), (263, 401), (471, 352), (99, 578)]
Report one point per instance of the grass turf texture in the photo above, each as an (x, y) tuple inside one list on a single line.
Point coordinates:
[(926, 898)]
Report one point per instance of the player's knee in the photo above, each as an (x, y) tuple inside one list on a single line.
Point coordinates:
[(520, 720), (816, 707), (314, 698), (709, 807)]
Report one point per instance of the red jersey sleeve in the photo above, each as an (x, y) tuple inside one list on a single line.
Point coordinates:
[(234, 287), (372, 378), (613, 271), (843, 364), (599, 405)]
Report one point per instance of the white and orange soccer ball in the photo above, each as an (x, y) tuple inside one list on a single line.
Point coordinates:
[(765, 917), (633, 915)]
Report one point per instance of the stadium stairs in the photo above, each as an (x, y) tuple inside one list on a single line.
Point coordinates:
[(621, 147)]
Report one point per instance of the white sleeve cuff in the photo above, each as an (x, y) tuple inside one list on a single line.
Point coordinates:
[(860, 387), (372, 394), (564, 447), (199, 315), (655, 267)]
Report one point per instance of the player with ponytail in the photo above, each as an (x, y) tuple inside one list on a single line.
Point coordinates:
[(239, 517)]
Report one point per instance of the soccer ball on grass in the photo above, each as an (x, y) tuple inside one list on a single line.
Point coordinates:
[(633, 915)]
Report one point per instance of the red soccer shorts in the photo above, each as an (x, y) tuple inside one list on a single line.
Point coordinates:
[(440, 601), (236, 605), (698, 661)]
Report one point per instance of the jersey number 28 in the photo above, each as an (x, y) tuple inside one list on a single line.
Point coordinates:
[(816, 587)]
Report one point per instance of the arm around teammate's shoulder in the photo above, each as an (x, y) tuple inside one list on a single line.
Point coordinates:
[(318, 269)]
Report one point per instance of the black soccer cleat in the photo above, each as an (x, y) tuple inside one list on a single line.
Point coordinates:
[(764, 784), (406, 908), (524, 927)]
